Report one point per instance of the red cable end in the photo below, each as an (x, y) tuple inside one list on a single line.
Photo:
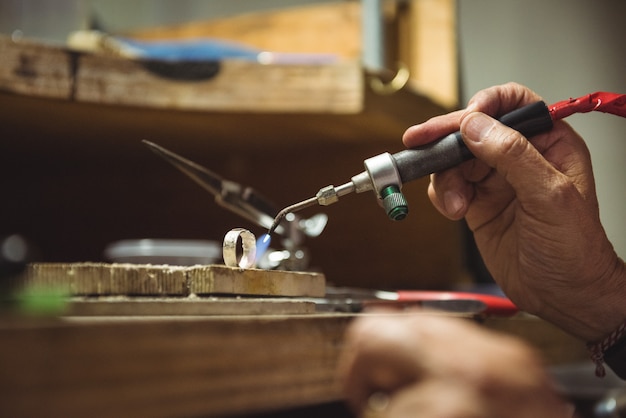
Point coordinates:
[(613, 103)]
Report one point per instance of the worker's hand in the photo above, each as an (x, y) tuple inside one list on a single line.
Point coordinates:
[(411, 365), (534, 213)]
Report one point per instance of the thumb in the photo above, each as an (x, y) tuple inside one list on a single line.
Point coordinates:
[(508, 152)]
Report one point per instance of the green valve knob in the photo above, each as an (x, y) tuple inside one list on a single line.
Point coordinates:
[(394, 203)]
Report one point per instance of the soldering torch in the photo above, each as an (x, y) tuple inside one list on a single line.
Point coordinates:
[(386, 173)]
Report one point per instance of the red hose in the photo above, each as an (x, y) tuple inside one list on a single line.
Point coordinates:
[(600, 102)]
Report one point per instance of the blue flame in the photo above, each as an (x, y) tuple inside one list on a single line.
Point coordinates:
[(262, 244)]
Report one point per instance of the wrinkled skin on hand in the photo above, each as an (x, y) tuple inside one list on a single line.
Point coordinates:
[(435, 367), (533, 209)]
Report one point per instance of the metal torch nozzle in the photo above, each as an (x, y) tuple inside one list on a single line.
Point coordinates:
[(326, 196)]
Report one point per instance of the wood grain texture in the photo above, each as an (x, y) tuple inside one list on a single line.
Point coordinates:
[(185, 306), (431, 50), (190, 367), (228, 280), (332, 28), (145, 279), (419, 34), (164, 368), (41, 70)]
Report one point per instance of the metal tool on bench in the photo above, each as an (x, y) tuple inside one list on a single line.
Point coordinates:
[(251, 205), (347, 299)]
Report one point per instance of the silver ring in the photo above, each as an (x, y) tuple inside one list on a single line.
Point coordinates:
[(248, 242)]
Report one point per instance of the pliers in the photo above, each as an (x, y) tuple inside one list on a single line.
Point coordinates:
[(242, 200)]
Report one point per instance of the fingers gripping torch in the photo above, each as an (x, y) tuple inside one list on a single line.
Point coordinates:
[(386, 173)]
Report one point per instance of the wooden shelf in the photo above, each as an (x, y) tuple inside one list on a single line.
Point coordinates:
[(220, 102), (313, 103), (419, 34), (46, 71)]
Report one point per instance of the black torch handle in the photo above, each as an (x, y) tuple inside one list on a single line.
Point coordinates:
[(450, 150)]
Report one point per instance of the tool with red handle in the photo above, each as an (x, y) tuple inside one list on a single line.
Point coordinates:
[(349, 299), (493, 305)]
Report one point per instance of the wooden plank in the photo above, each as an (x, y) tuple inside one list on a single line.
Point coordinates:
[(41, 70), (185, 306), (420, 34), (168, 368), (187, 367), (146, 279), (36, 69), (237, 86), (108, 279), (429, 49), (227, 280), (331, 28)]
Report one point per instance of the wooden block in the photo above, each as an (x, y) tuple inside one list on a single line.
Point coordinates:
[(228, 280), (431, 49), (116, 306), (35, 69), (145, 279), (109, 279)]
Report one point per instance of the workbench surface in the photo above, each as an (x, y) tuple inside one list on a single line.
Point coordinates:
[(191, 366)]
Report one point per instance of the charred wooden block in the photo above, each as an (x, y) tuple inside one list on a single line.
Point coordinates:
[(162, 280)]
